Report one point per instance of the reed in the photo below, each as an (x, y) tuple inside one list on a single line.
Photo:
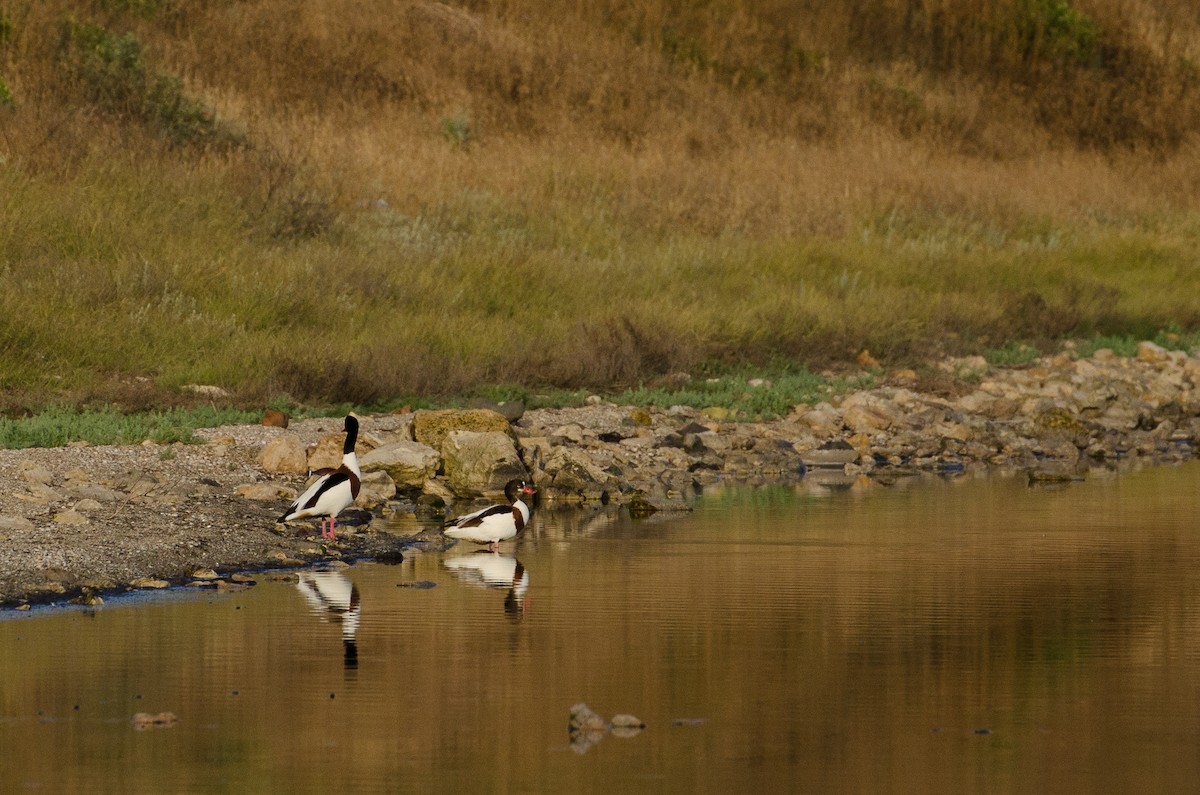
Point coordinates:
[(361, 201)]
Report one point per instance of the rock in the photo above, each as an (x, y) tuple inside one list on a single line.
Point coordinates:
[(147, 582), (833, 455), (327, 453), (432, 427), (265, 492), (70, 517), (583, 718), (625, 725), (480, 463), (16, 524), (823, 419), (206, 390), (34, 473), (377, 488), (511, 410), (275, 419), (162, 720), (866, 411), (571, 472), (1152, 353), (204, 574), (409, 464), (284, 455), (866, 360)]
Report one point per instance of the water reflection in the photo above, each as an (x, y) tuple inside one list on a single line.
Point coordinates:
[(493, 570), (935, 635), (333, 596)]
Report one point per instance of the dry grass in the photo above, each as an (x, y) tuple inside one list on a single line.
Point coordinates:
[(336, 200)]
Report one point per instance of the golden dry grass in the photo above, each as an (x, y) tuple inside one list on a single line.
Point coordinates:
[(336, 200)]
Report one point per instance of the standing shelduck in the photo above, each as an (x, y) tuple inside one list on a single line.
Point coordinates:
[(333, 492), (496, 523)]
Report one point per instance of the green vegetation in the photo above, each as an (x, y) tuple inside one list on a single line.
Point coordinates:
[(57, 426), (308, 206)]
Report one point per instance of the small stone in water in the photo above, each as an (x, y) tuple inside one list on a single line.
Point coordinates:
[(145, 720), (147, 582)]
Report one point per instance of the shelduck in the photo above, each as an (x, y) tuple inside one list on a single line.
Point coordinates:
[(498, 522), (333, 492)]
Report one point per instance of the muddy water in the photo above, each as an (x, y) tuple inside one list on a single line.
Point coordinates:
[(931, 636)]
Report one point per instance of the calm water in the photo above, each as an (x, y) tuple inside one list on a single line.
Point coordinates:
[(933, 636)]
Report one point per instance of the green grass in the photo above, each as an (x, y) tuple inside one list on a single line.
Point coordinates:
[(58, 426)]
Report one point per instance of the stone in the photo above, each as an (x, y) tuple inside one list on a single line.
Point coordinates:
[(149, 583), (511, 410), (480, 463), (34, 473), (284, 455), (377, 488), (71, 517), (1152, 353), (409, 464), (432, 427), (206, 390), (16, 524), (569, 471), (327, 453), (265, 492), (274, 418), (866, 411)]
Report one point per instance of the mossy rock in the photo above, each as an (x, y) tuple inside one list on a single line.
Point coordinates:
[(639, 507), (431, 427), (1060, 421)]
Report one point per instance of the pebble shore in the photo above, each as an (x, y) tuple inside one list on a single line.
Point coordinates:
[(81, 522)]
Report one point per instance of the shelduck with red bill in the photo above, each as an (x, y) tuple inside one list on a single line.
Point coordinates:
[(332, 493), (495, 523)]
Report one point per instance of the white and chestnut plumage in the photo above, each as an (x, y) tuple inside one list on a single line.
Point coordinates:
[(333, 492), (496, 523)]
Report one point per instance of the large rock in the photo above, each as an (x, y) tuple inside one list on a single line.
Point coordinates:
[(568, 472), (479, 464), (864, 412), (409, 464), (432, 427), (284, 454), (377, 488)]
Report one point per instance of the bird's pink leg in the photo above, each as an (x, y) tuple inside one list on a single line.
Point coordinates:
[(332, 524), (494, 546)]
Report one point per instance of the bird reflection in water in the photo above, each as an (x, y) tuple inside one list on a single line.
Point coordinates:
[(494, 570), (332, 595)]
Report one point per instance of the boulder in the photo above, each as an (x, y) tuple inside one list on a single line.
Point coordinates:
[(432, 427), (409, 464), (568, 472), (284, 454), (327, 454), (480, 463), (864, 412), (377, 488)]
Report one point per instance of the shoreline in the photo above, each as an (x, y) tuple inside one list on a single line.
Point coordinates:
[(80, 522)]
